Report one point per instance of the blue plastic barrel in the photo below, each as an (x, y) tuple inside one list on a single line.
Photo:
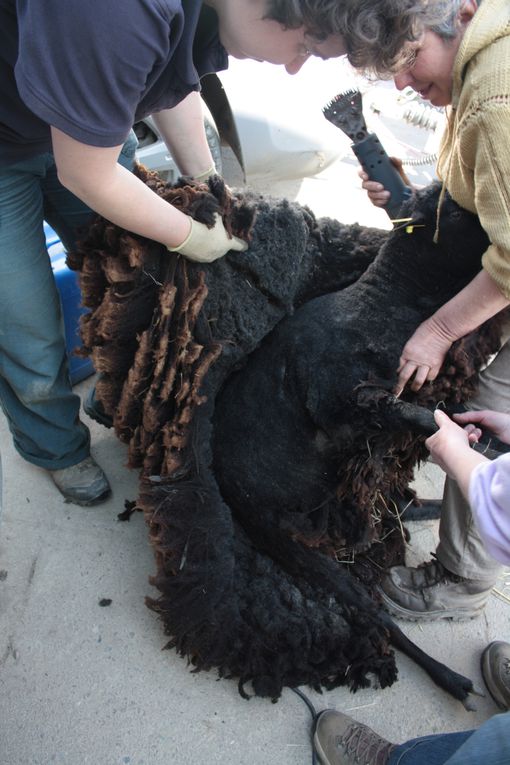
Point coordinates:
[(70, 297)]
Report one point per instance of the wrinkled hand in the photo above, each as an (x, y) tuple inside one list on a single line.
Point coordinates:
[(376, 191), (205, 244), (450, 441), (423, 356), (497, 422)]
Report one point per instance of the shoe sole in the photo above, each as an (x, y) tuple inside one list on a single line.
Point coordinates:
[(319, 751), (101, 419), (88, 502), (486, 674), (454, 614), (94, 414)]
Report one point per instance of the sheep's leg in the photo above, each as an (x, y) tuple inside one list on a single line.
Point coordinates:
[(452, 682), (299, 561), (403, 415)]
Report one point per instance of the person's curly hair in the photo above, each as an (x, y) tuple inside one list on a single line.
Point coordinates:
[(320, 17), (377, 33)]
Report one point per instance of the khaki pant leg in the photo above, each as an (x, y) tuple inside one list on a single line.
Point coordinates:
[(460, 548)]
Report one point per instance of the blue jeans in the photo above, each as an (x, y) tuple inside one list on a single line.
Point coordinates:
[(35, 388), (490, 744)]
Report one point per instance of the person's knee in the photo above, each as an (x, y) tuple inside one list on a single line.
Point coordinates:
[(499, 726), (38, 390)]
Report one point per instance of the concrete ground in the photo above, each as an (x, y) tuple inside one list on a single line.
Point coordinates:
[(81, 683)]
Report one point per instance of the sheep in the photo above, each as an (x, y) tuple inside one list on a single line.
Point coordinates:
[(334, 443), (249, 566)]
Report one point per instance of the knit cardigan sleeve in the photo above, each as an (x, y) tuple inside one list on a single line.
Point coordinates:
[(484, 150), (474, 161)]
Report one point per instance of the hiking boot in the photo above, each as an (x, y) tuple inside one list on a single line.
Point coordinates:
[(83, 484), (95, 411), (496, 672), (340, 740), (432, 592)]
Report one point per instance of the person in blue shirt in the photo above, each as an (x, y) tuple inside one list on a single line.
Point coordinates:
[(74, 77)]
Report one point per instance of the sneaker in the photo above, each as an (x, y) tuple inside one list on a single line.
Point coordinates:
[(83, 484), (340, 740), (95, 411), (432, 592), (496, 672)]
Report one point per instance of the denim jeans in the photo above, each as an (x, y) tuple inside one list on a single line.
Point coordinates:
[(35, 388), (490, 744)]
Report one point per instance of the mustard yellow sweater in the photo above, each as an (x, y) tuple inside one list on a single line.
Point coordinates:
[(474, 160)]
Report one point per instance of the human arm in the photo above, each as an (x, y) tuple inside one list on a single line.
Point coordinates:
[(182, 129), (476, 162), (425, 351), (484, 483), (93, 174), (489, 499)]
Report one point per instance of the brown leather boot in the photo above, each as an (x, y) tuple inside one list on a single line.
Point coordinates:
[(496, 672), (431, 592), (340, 740)]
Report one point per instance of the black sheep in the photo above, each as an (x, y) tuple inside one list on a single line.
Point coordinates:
[(315, 401), (249, 585)]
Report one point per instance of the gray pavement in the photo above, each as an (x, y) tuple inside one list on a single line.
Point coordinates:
[(81, 683)]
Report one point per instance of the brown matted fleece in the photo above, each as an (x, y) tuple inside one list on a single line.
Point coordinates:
[(188, 354)]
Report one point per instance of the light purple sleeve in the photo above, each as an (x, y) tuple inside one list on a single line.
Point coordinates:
[(489, 497)]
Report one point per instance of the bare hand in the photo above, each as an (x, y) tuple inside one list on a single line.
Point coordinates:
[(497, 422), (450, 449), (449, 440), (376, 191), (422, 356)]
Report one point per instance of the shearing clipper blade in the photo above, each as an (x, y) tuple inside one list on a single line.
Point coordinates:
[(345, 111)]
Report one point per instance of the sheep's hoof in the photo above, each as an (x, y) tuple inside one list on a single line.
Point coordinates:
[(469, 703)]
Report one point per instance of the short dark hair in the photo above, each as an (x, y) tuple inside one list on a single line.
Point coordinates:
[(319, 17)]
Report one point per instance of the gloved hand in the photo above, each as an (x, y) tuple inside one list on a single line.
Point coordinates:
[(203, 177), (205, 244)]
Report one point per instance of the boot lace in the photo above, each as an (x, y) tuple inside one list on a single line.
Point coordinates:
[(434, 572), (365, 746)]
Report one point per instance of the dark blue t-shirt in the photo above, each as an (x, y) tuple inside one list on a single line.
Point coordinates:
[(93, 67)]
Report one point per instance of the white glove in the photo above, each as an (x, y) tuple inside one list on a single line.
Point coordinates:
[(207, 244), (202, 177)]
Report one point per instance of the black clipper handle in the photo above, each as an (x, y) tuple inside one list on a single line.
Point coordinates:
[(378, 166)]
